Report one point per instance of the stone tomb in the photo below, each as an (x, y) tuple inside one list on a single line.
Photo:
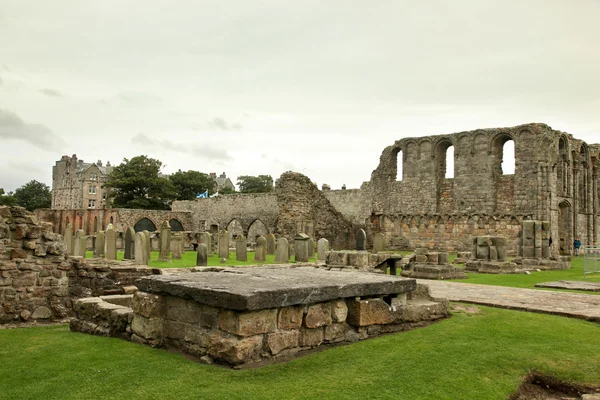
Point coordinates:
[(425, 264), (238, 316)]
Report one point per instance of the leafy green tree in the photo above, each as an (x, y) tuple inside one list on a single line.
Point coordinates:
[(33, 195), (190, 183), (7, 199), (255, 184), (227, 190), (137, 183)]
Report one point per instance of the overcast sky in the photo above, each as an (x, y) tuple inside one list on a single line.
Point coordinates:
[(262, 87)]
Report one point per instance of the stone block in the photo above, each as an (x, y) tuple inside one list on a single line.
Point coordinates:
[(339, 311), (337, 258), (443, 258), (282, 252), (545, 226), (311, 337), (538, 252), (335, 332), (282, 340), (290, 317), (501, 253), (420, 258), (368, 312), (433, 258), (483, 252), (248, 323), (234, 350), (41, 313), (191, 312), (186, 332), (358, 259), (147, 328), (528, 252), (378, 242), (528, 230), (148, 305), (318, 315), (322, 249), (421, 251), (493, 253), (484, 241), (498, 241)]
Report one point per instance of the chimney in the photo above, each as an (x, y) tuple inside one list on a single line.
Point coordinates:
[(325, 187), (213, 174), (99, 163)]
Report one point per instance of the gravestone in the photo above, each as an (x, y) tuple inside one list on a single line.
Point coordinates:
[(111, 243), (100, 243), (260, 252), (79, 244), (270, 243), (141, 245), (282, 255), (176, 245), (301, 247), (378, 243), (322, 249), (223, 244), (147, 246), (129, 244), (202, 255), (68, 238), (165, 242), (241, 251), (206, 238), (361, 240), (311, 248)]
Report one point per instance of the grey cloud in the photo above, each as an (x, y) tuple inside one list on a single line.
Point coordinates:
[(51, 92), (13, 127), (217, 124), (205, 151)]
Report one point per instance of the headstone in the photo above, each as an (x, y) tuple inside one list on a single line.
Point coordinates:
[(165, 242), (301, 247), (241, 248), (79, 243), (378, 242), (361, 240), (129, 244), (68, 237), (177, 245), (100, 243), (270, 243), (202, 255), (322, 249), (282, 251), (223, 244), (311, 248), (147, 246), (260, 252), (206, 238), (111, 243), (141, 245)]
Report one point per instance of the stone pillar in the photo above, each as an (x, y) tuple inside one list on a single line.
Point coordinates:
[(206, 238), (260, 253), (223, 244), (528, 239), (322, 249), (140, 252), (241, 248), (311, 248), (361, 240), (301, 248), (129, 244), (378, 242), (282, 251), (270, 243), (165, 242), (111, 243), (68, 238), (79, 244), (147, 245), (100, 243), (202, 255), (177, 245)]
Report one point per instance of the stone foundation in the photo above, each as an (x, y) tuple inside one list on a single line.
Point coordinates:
[(425, 264)]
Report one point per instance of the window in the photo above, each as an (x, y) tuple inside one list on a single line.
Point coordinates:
[(104, 196), (92, 189), (93, 177), (91, 203)]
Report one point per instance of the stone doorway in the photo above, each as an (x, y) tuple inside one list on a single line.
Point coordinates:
[(565, 228)]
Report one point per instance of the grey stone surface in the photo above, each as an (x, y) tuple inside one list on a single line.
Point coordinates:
[(572, 285), (270, 243), (141, 244), (79, 243), (322, 249), (202, 255), (378, 242), (259, 288), (68, 238), (99, 245), (260, 252), (165, 242), (311, 248), (224, 244), (176, 245), (301, 248), (129, 244), (147, 245), (206, 238), (282, 253), (241, 248), (361, 240), (111, 243)]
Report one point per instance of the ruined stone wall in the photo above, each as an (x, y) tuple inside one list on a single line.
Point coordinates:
[(67, 190), (350, 203)]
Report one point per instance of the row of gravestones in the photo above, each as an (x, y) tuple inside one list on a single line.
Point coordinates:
[(378, 241)]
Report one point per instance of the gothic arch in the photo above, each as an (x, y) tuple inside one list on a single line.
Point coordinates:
[(144, 224)]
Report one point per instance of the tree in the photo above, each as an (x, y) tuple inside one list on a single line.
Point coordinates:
[(137, 183), (190, 183), (33, 195), (7, 199), (227, 190), (255, 184)]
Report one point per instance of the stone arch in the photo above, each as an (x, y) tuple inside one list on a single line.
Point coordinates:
[(144, 224), (397, 162), (496, 150), (563, 176), (565, 227), (176, 225), (235, 229), (440, 154), (424, 146), (476, 139), (257, 228)]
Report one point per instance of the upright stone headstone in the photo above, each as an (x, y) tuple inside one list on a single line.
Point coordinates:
[(129, 244), (206, 238), (202, 255), (282, 251), (270, 243), (378, 242), (147, 246), (361, 240), (260, 253), (68, 238), (111, 243), (223, 244), (165, 242), (100, 243), (311, 248), (322, 249), (301, 247), (177, 245), (141, 244), (241, 248), (79, 244)]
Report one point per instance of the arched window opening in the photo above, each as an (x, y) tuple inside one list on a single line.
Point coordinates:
[(562, 181), (508, 158), (449, 173), (399, 161), (144, 224), (175, 225)]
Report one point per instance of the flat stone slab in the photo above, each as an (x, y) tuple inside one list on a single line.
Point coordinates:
[(260, 288), (574, 305), (572, 285)]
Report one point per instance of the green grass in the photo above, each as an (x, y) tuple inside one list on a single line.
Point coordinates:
[(480, 356)]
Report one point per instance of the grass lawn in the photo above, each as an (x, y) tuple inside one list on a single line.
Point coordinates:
[(469, 356)]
